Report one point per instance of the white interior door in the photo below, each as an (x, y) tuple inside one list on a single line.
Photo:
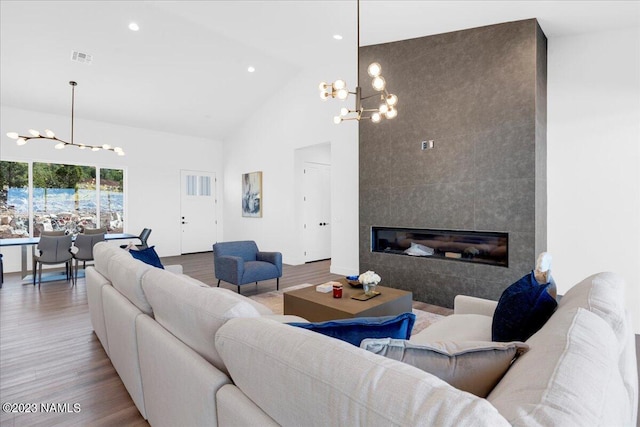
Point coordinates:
[(198, 211), (317, 211)]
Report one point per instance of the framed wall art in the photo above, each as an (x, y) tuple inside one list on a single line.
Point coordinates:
[(252, 195)]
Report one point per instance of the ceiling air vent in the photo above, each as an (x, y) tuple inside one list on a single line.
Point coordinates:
[(83, 58)]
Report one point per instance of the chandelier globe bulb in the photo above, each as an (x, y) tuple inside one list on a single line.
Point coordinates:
[(339, 84), (392, 113), (374, 69), (378, 83)]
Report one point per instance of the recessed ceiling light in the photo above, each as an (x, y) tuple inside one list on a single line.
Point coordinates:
[(251, 69), (133, 26), (337, 36)]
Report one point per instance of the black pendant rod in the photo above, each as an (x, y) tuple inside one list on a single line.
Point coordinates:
[(358, 52), (73, 97)]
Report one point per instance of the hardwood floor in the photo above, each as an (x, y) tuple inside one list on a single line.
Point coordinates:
[(49, 353)]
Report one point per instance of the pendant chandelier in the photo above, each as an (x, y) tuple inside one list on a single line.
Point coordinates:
[(50, 135), (386, 106)]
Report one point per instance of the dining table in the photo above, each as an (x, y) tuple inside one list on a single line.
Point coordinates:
[(26, 242)]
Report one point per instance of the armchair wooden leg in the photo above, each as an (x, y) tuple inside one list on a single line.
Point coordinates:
[(238, 288), (35, 267), (219, 282), (277, 283)]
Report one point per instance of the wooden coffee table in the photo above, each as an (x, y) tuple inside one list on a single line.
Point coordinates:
[(318, 307)]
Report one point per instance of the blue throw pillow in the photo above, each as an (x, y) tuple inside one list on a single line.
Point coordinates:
[(355, 330), (522, 310), (148, 256)]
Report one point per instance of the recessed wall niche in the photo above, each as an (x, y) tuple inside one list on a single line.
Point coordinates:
[(480, 94)]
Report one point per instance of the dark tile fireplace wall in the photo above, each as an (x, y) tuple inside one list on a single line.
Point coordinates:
[(480, 94)]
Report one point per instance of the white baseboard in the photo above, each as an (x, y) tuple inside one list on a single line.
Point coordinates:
[(293, 260)]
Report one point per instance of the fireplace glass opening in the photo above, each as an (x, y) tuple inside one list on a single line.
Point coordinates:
[(484, 247)]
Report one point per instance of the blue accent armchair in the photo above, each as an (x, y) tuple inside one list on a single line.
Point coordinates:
[(241, 262)]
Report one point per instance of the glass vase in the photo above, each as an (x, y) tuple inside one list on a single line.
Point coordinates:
[(369, 288)]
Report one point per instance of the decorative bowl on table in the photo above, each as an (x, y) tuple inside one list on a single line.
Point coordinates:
[(353, 281)]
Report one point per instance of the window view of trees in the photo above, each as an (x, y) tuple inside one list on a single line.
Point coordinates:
[(14, 200), (65, 198), (111, 199)]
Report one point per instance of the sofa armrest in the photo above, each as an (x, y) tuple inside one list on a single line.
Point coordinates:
[(175, 268), (464, 304), (274, 258)]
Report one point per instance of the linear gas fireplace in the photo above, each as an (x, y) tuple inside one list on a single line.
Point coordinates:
[(484, 247)]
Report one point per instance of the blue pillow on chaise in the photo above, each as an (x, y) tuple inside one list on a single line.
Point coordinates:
[(355, 330), (523, 308)]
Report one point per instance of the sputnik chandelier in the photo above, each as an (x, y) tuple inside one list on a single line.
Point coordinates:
[(387, 106), (50, 135)]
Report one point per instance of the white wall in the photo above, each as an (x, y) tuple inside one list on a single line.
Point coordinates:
[(294, 118), (594, 158), (152, 165)]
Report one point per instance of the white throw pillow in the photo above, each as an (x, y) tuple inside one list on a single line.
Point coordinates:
[(473, 366)]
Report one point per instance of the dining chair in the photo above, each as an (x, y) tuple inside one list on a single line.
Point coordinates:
[(82, 250), (144, 235), (53, 233), (52, 250)]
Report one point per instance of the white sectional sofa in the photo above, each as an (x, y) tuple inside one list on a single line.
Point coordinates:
[(143, 316), (193, 355)]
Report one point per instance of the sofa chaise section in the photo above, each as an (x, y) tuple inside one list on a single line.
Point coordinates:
[(299, 377)]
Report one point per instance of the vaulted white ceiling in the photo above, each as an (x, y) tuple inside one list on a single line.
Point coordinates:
[(185, 71)]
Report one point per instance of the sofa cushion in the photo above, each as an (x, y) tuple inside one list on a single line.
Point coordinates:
[(148, 256), (192, 313), (602, 294), (102, 252), (355, 330), (473, 366), (330, 382), (569, 377), (456, 327), (261, 308), (120, 323), (126, 274), (523, 308)]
